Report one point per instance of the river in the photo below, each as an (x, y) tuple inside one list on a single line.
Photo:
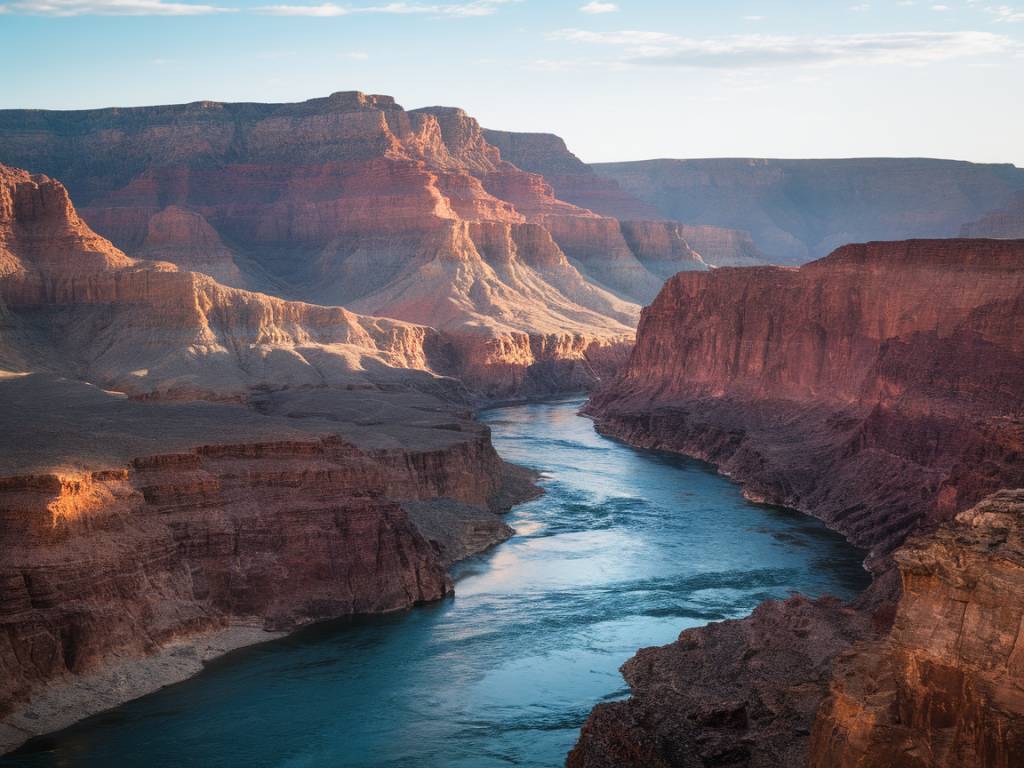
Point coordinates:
[(625, 549)]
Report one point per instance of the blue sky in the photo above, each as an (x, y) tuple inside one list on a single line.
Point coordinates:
[(620, 80)]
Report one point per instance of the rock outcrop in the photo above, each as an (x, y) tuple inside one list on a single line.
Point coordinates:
[(576, 182), (733, 693), (144, 528), (798, 210), (816, 683), (945, 687), (879, 389)]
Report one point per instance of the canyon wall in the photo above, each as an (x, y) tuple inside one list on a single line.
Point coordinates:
[(576, 182), (249, 521), (945, 687), (798, 210), (187, 467), (880, 390), (815, 683), (876, 388), (352, 200)]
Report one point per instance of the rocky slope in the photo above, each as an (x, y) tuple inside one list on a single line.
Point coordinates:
[(351, 200), (815, 683), (878, 389), (945, 687), (576, 182), (144, 528), (130, 528), (1007, 222), (798, 210)]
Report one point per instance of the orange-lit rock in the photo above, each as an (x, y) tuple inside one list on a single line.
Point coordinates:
[(945, 687)]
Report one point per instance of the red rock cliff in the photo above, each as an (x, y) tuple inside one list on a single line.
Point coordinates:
[(865, 387), (945, 687), (879, 389)]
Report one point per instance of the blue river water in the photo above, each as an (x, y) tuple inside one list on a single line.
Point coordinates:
[(624, 550)]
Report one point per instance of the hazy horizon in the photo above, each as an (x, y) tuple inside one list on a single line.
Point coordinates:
[(618, 81)]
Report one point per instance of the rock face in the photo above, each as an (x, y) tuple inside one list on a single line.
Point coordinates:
[(145, 528), (576, 182), (946, 686), (351, 200), (733, 693), (879, 389), (270, 517), (78, 306), (815, 683), (1007, 222), (798, 210)]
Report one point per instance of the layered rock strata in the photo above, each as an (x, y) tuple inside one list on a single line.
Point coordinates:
[(945, 687), (878, 389), (147, 526), (144, 528), (576, 182), (798, 210), (351, 200)]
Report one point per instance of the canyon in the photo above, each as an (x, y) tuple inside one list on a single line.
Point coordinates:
[(878, 389), (187, 467), (352, 200), (240, 380)]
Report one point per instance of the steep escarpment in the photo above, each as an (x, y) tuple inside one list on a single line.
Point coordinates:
[(576, 182), (945, 687), (798, 210), (878, 389), (351, 200), (816, 683), (132, 527), (875, 388)]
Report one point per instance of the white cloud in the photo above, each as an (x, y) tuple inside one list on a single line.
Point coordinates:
[(744, 51), (473, 8), (109, 8), (940, 8), (326, 9), (596, 7), (754, 18), (1005, 13)]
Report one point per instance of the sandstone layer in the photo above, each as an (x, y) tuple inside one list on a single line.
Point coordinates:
[(576, 182), (351, 200), (186, 467), (879, 389), (798, 210), (945, 687)]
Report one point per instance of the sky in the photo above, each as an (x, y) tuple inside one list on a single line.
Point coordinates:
[(624, 80)]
